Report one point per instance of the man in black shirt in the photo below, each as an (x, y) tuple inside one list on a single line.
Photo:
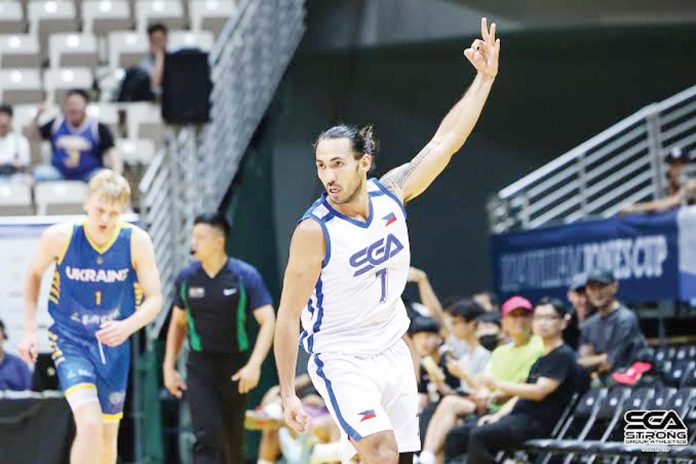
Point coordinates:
[(537, 405), (611, 338), (215, 297)]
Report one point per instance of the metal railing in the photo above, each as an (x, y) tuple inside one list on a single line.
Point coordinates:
[(198, 164), (247, 65), (622, 165)]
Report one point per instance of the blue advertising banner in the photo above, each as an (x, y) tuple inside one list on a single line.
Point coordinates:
[(686, 222), (652, 256)]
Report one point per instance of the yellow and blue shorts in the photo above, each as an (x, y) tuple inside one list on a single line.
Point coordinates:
[(89, 371)]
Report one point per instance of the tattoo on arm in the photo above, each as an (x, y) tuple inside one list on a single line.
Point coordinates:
[(400, 175)]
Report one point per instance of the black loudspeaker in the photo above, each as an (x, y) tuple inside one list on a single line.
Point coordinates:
[(186, 87)]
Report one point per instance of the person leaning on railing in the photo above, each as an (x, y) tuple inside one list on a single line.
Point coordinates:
[(680, 190)]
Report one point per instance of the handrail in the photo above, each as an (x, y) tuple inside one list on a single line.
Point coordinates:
[(604, 172)]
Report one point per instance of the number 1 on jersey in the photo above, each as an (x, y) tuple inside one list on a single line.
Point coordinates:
[(98, 296), (383, 274)]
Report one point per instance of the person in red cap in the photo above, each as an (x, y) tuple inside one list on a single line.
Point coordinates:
[(509, 363), (537, 405)]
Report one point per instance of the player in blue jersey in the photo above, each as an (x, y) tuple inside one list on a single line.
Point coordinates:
[(103, 269), (348, 265)]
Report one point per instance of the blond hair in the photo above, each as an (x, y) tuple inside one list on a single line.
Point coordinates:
[(110, 186)]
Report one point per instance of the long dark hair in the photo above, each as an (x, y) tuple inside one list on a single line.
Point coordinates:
[(362, 141)]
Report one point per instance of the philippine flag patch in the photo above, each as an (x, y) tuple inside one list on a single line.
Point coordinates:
[(390, 218), (366, 415)]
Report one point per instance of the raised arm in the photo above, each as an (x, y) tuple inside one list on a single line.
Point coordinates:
[(53, 243), (411, 179), (113, 159), (307, 250)]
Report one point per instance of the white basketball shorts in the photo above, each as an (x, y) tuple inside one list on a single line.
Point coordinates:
[(370, 395)]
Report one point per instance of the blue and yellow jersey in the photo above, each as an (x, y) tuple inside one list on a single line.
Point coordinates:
[(93, 284)]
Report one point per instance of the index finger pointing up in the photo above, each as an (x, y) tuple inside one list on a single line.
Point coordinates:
[(484, 29)]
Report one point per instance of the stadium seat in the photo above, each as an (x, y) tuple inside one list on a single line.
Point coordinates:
[(62, 197), (66, 49), (108, 81), (203, 40), (168, 12), (126, 48), (59, 81), (19, 51), (663, 354), (23, 114), (678, 370), (106, 113), (680, 401), (15, 199), (685, 352), (11, 18), (685, 454), (20, 86), (145, 121), (660, 398), (103, 16), (689, 379), (611, 442), (576, 426), (210, 15), (49, 17), (136, 151), (607, 411)]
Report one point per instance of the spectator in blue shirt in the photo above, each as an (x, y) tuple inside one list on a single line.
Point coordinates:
[(14, 374), (81, 146)]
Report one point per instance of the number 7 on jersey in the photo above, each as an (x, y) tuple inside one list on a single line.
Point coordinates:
[(383, 274)]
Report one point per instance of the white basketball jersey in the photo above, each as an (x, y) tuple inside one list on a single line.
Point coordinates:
[(356, 305)]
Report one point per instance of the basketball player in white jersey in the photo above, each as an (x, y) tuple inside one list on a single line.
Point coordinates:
[(348, 265)]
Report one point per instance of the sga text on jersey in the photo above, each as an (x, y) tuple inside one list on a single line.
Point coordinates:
[(378, 253)]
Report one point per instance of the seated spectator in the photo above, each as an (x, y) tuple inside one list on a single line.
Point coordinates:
[(434, 380), (15, 156), (577, 296), (436, 311), (14, 374), (579, 311), (268, 418), (537, 405), (80, 145), (464, 316), (144, 81), (487, 300), (612, 338), (679, 189), (153, 62), (510, 362), (464, 321), (489, 332)]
